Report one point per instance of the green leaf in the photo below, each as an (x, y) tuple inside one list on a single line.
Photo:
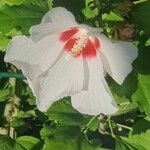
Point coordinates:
[(17, 122), (123, 143), (12, 2), (141, 126), (69, 144), (3, 42), (112, 17), (41, 3), (93, 124), (141, 15), (27, 114), (142, 94), (13, 33), (29, 142), (125, 108), (20, 125), (6, 143), (47, 131), (143, 139), (139, 139), (20, 17), (60, 143), (123, 92), (69, 138), (88, 12), (4, 94), (63, 112)]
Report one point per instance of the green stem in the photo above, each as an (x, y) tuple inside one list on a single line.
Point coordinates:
[(88, 124), (91, 120), (11, 75), (110, 127), (123, 126)]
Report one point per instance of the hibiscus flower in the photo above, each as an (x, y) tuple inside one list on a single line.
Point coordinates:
[(63, 58)]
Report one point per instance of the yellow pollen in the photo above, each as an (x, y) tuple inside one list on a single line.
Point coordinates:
[(79, 44)]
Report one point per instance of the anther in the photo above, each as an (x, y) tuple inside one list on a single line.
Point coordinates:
[(79, 44)]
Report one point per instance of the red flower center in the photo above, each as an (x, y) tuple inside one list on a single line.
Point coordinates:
[(78, 42)]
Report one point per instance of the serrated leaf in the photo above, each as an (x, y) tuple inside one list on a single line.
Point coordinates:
[(143, 139), (123, 143), (12, 2), (141, 15), (64, 113), (142, 94), (41, 3), (140, 136), (20, 17)]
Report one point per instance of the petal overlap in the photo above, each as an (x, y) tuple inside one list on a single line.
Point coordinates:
[(63, 58)]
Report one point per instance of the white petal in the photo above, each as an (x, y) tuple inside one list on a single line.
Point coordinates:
[(40, 31), (16, 54), (59, 15), (117, 57), (63, 79), (55, 20), (43, 53), (97, 99), (92, 31), (47, 51), (34, 58)]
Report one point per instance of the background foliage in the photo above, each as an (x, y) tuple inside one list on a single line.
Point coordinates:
[(24, 127)]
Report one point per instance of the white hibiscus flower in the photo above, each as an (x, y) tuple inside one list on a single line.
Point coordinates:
[(63, 58)]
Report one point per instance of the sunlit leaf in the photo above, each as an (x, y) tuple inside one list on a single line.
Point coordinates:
[(29, 142), (143, 139), (88, 11), (123, 143), (20, 17)]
